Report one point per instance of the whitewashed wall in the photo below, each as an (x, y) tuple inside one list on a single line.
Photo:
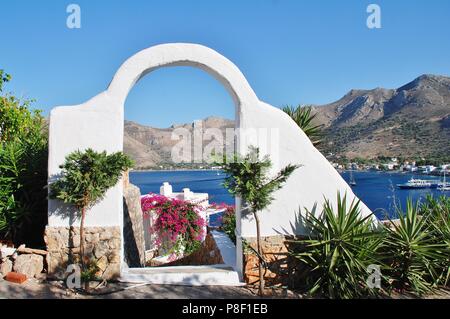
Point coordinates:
[(98, 124)]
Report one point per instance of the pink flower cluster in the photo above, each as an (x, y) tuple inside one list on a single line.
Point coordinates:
[(176, 219)]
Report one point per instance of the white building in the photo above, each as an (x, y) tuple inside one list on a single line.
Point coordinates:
[(411, 168), (390, 166), (427, 169)]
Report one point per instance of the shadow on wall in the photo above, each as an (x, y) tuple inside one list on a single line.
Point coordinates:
[(298, 226), (132, 253), (60, 209), (280, 268)]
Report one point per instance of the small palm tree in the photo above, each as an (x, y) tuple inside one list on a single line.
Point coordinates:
[(303, 116), (248, 178), (85, 179)]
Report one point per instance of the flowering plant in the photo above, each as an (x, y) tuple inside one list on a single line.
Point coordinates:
[(176, 221)]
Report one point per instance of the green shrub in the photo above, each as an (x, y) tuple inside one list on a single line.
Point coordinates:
[(90, 272), (249, 177), (438, 212), (85, 179), (413, 252), (229, 222), (23, 170), (340, 247)]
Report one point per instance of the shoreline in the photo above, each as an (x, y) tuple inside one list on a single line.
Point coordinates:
[(392, 172), (174, 170), (339, 171)]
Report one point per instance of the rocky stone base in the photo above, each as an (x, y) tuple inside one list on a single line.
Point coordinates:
[(102, 245), (275, 254), (22, 260)]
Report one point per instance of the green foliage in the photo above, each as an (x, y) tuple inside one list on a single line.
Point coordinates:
[(89, 273), (412, 251), (4, 78), (340, 247), (412, 140), (229, 223), (437, 211), (23, 170), (248, 177), (302, 115), (86, 176), (16, 119)]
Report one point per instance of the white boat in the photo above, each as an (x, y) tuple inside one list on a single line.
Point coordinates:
[(444, 186), (416, 183), (352, 179)]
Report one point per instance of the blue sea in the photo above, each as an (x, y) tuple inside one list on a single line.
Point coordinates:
[(376, 189)]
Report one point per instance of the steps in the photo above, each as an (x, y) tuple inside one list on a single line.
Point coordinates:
[(213, 275)]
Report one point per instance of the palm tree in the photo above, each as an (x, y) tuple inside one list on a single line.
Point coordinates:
[(248, 177), (303, 116)]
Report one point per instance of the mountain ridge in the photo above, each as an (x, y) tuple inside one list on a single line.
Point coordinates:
[(151, 147), (410, 121)]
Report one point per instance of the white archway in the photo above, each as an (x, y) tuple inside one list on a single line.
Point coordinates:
[(98, 124)]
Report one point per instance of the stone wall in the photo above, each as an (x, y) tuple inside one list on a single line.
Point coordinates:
[(275, 254), (133, 231), (102, 244)]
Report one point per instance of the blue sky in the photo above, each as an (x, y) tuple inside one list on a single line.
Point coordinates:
[(290, 51)]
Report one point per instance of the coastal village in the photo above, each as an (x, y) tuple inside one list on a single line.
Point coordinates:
[(394, 164)]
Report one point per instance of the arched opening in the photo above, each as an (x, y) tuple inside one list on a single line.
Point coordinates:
[(221, 69), (180, 107), (99, 124)]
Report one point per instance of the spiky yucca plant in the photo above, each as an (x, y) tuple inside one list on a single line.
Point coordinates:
[(442, 231), (340, 246), (437, 210), (412, 252)]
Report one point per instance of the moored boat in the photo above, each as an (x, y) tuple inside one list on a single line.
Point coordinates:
[(444, 186), (417, 184), (352, 179)]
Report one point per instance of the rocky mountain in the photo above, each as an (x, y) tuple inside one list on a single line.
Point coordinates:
[(413, 120), (151, 147)]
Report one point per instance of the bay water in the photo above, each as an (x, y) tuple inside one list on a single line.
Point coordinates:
[(378, 190)]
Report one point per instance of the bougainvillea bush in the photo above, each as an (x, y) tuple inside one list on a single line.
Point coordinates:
[(178, 225)]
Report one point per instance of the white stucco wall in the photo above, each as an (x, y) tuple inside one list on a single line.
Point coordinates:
[(98, 124)]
